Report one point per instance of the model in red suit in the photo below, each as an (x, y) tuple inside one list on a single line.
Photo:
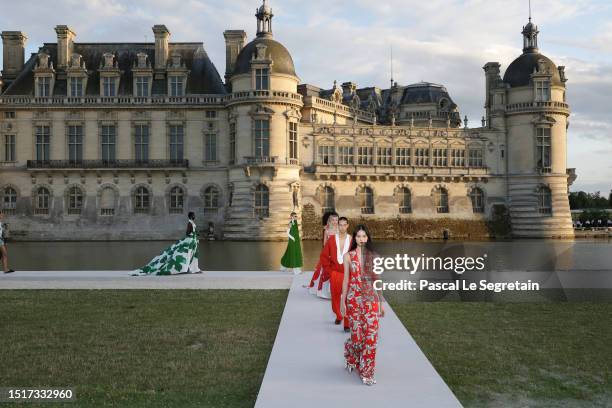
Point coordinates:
[(332, 259)]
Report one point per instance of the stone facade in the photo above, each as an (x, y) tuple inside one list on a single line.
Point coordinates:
[(120, 141)]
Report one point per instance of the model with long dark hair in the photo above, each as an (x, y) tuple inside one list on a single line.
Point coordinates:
[(362, 304)]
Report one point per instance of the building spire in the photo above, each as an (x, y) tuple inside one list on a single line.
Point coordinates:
[(264, 20), (530, 35), (530, 11), (391, 65)]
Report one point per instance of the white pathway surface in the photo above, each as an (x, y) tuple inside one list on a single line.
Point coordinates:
[(306, 367), (122, 280)]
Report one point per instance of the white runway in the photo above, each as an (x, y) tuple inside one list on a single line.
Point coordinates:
[(306, 367)]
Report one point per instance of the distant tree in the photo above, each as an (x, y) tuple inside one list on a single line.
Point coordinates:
[(610, 199), (583, 200)]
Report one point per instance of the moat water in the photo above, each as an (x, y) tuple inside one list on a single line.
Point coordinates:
[(516, 255)]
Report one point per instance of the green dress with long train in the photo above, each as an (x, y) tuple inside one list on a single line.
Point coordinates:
[(292, 259), (181, 257)]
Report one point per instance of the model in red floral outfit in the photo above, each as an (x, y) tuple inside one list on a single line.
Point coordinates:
[(363, 306)]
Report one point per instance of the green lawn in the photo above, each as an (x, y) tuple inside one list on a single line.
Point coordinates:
[(182, 348), (517, 354), (140, 348)]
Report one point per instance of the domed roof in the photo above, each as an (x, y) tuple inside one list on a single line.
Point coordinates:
[(425, 92), (520, 70), (282, 61)]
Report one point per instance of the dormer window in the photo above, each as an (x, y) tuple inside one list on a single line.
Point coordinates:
[(76, 87), (262, 79), (109, 76), (176, 84), (542, 91), (44, 86), (77, 76), (108, 86), (44, 76), (142, 86)]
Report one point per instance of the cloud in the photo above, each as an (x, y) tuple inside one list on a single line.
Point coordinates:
[(439, 41)]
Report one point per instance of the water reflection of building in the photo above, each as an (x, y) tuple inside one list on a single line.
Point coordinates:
[(120, 140)]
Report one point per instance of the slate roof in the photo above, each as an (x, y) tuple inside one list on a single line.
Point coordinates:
[(203, 77)]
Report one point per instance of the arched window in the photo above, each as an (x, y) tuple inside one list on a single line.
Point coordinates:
[(262, 201), (9, 201), (405, 201), (43, 201), (142, 200), (544, 201), (441, 200), (477, 199), (211, 199), (107, 202), (75, 201), (177, 198), (366, 200), (328, 199)]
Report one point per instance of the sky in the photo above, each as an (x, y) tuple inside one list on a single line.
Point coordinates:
[(441, 41)]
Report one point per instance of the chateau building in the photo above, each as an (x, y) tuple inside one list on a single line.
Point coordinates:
[(121, 140)]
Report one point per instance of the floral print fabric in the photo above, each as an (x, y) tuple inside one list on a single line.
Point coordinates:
[(362, 311)]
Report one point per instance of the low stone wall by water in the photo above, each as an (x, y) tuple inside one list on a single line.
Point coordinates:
[(411, 228)]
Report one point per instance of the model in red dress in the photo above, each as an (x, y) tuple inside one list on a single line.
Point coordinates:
[(319, 284), (363, 306)]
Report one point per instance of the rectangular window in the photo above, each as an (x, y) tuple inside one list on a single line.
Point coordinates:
[(475, 158), (43, 137), (141, 143), (364, 155), (262, 138), (402, 156), (211, 114), (75, 143), (176, 143), (44, 86), (262, 79), (326, 154), (440, 157), (345, 155), (232, 143), (293, 141), (108, 87), (9, 115), (142, 86), (176, 85), (9, 148), (384, 156), (421, 156), (210, 147), (76, 87), (458, 157), (543, 149), (109, 142), (542, 91)]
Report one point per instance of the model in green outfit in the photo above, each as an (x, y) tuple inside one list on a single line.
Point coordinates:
[(292, 259), (182, 257)]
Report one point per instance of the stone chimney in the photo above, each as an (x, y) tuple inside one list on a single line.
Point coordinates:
[(234, 42), (492, 76), (65, 45), (162, 36), (13, 47)]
